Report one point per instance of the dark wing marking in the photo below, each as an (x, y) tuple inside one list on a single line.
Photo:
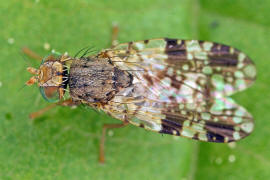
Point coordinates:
[(185, 70), (218, 120)]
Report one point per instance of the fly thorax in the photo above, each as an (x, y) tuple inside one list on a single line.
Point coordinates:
[(96, 80)]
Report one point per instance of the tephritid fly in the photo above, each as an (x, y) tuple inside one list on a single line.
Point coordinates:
[(170, 86)]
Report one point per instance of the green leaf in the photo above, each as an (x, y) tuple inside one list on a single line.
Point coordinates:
[(63, 143), (244, 25)]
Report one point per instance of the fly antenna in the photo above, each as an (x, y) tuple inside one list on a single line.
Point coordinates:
[(89, 50), (80, 51)]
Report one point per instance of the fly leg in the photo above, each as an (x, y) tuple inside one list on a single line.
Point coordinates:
[(115, 31), (102, 140), (31, 54), (67, 102)]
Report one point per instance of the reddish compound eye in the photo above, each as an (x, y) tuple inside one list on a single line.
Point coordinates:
[(50, 94)]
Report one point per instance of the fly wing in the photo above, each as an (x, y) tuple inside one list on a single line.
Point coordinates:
[(179, 88), (217, 120), (185, 71)]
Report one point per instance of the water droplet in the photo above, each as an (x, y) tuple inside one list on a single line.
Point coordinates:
[(74, 107), (47, 46), (110, 133), (231, 158), (11, 40), (232, 145), (219, 160)]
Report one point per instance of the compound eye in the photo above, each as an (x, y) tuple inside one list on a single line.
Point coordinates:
[(50, 94)]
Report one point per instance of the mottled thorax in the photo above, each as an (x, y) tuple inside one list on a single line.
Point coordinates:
[(96, 80)]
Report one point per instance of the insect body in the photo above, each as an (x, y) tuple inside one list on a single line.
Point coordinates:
[(96, 80), (170, 86)]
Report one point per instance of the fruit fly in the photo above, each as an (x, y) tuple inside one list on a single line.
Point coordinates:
[(169, 86)]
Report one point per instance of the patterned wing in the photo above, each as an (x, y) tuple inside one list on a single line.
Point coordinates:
[(216, 120), (179, 88), (185, 71)]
